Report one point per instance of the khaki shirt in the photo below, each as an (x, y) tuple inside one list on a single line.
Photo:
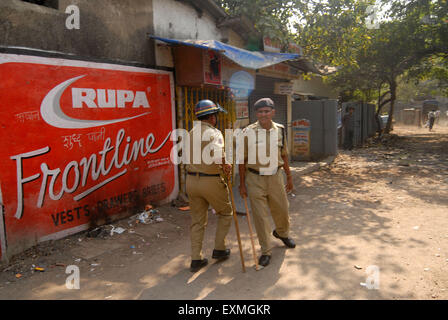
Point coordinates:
[(260, 142), (215, 141)]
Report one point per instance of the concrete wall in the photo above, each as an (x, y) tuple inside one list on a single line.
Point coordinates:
[(235, 40), (365, 122), (177, 20), (315, 86), (109, 29)]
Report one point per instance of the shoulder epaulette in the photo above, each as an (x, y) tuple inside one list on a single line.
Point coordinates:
[(279, 125)]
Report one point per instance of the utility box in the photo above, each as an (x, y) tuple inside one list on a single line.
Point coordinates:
[(323, 118)]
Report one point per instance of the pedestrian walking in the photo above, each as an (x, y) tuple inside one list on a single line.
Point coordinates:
[(267, 192), (348, 123), (431, 119), (205, 186)]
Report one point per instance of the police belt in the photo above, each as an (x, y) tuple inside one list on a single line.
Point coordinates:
[(258, 172), (200, 174)]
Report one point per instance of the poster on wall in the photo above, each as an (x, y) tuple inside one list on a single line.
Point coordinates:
[(242, 108), (283, 88), (212, 67), (301, 133), (80, 140)]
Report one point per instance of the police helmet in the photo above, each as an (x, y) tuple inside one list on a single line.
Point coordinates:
[(206, 107)]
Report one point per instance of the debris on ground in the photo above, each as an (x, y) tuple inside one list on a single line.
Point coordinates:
[(60, 265), (100, 232), (118, 230), (146, 217)]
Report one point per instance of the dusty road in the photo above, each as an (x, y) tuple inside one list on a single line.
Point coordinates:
[(380, 205)]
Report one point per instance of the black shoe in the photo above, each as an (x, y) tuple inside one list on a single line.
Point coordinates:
[(287, 241), (196, 265), (264, 260), (221, 254)]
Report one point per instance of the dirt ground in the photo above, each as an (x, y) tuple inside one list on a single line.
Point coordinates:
[(383, 205)]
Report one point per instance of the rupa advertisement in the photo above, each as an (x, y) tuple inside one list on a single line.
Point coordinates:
[(80, 139)]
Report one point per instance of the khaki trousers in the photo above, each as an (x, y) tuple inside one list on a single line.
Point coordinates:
[(202, 192), (267, 193)]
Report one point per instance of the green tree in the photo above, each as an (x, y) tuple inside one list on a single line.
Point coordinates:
[(270, 17), (336, 32)]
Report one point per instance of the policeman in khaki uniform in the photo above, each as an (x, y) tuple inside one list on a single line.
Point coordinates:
[(266, 189), (205, 186)]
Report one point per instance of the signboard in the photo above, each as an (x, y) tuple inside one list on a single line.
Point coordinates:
[(80, 140), (212, 67), (242, 108), (271, 45), (285, 88), (301, 133)]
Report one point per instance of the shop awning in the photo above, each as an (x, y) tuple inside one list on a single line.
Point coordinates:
[(244, 58)]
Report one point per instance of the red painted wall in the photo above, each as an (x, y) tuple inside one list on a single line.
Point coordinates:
[(80, 140)]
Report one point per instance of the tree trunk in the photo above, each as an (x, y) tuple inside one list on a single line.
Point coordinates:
[(393, 97), (381, 104)]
